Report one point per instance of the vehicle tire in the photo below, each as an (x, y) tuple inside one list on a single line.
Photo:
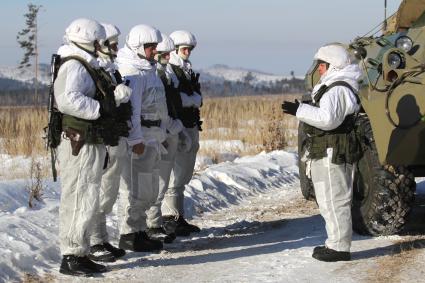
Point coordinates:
[(382, 195), (306, 184)]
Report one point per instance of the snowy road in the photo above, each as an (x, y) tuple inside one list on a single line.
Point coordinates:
[(256, 228), (270, 239)]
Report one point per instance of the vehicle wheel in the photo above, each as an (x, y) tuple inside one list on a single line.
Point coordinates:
[(382, 195), (305, 182)]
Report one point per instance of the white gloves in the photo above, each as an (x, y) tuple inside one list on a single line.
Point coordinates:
[(122, 94), (174, 126), (185, 141), (194, 100), (197, 100)]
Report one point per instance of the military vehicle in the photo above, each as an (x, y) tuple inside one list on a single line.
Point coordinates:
[(391, 124)]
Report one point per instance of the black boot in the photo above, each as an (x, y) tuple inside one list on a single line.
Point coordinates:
[(105, 252), (318, 248), (139, 242), (100, 253), (80, 266), (172, 221), (182, 224), (115, 251), (182, 228), (159, 233), (330, 255)]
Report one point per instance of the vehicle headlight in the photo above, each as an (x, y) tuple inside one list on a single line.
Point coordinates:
[(404, 43), (394, 60)]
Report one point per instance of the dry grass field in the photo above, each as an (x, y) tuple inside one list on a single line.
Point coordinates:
[(256, 121), (21, 130)]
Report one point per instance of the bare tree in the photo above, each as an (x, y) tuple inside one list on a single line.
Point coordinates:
[(27, 39)]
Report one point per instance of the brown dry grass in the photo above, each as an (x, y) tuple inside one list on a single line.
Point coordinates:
[(404, 255), (31, 278), (21, 130), (257, 121)]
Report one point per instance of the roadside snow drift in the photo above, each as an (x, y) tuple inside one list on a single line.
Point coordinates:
[(29, 237)]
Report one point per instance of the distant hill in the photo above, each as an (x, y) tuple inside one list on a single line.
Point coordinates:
[(222, 72), (222, 80), (17, 85), (26, 75)]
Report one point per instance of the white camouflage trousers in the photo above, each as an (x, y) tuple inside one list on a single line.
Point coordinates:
[(80, 182), (109, 190), (181, 175), (334, 191), (154, 216), (139, 189)]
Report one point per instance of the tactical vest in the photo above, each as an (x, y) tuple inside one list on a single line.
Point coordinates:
[(174, 102), (343, 139), (91, 129), (190, 116)]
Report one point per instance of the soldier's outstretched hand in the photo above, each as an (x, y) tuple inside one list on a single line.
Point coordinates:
[(290, 107)]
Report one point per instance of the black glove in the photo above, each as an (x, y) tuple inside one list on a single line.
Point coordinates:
[(290, 107)]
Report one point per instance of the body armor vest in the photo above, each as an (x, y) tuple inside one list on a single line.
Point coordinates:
[(343, 139), (190, 116), (174, 102), (106, 131)]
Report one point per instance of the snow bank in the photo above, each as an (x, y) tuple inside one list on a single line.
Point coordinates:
[(29, 237), (228, 183)]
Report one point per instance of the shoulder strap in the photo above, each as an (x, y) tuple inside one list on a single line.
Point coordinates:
[(322, 90), (92, 72), (178, 71), (163, 77)]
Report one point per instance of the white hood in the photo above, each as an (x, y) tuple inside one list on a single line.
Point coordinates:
[(350, 74), (107, 64), (336, 103), (128, 58), (72, 50), (176, 60)]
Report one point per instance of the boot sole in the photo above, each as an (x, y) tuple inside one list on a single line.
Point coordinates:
[(330, 259), (109, 259), (73, 273), (131, 248)]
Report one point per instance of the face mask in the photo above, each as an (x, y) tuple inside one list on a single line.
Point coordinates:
[(181, 54), (161, 59)]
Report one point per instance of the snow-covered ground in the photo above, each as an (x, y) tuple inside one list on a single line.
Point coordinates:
[(256, 228)]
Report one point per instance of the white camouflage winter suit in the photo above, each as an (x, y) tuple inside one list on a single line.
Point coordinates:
[(80, 175), (154, 216), (184, 163), (111, 176), (333, 182), (141, 173)]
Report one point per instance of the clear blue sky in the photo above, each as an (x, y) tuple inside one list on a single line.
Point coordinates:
[(274, 36)]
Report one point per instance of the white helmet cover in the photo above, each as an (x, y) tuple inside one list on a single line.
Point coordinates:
[(112, 32), (85, 31), (140, 35), (182, 37), (166, 45), (334, 54)]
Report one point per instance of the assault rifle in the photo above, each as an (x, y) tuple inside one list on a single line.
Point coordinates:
[(53, 130)]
